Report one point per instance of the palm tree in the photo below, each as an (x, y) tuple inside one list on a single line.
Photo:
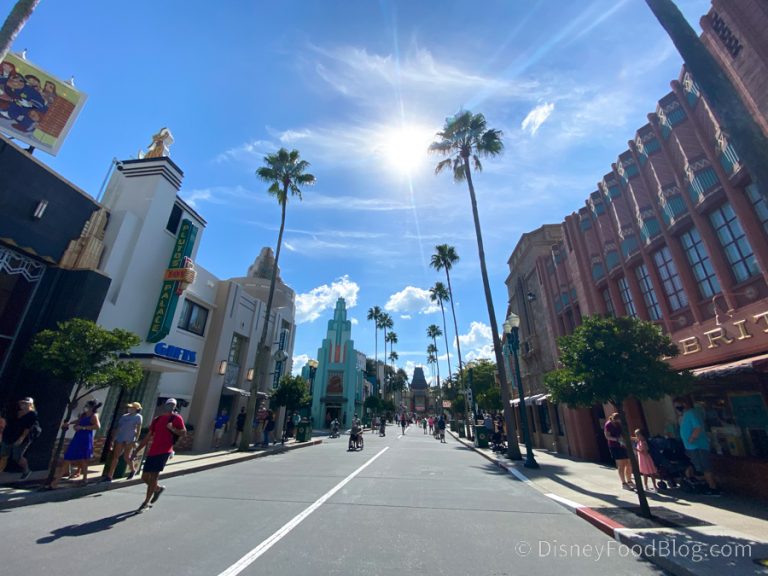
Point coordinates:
[(444, 258), (14, 23), (286, 172), (432, 358), (374, 314), (464, 138), (438, 293), (393, 356), (391, 337), (385, 322), (433, 331)]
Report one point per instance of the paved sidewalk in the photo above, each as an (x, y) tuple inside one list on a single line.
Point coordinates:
[(703, 535), (14, 493)]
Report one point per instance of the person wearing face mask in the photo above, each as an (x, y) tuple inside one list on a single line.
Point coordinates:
[(128, 429), (80, 449)]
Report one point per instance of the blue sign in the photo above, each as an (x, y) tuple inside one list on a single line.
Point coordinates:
[(175, 353)]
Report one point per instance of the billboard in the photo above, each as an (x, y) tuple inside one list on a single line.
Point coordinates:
[(35, 107)]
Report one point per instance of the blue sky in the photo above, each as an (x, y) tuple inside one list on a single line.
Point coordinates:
[(360, 87)]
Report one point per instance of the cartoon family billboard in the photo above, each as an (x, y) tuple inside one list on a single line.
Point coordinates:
[(35, 107)]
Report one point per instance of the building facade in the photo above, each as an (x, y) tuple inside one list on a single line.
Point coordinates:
[(676, 232), (338, 386)]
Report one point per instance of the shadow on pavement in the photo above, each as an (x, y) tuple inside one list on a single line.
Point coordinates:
[(75, 530)]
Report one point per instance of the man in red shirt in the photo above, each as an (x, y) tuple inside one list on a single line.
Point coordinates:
[(162, 433)]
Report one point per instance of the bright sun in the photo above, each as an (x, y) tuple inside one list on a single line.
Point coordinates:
[(405, 148)]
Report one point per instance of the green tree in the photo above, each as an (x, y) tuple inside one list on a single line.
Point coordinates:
[(483, 377), (439, 293), (292, 392), (373, 404), (374, 314), (398, 380), (464, 139), (392, 339), (286, 173), (444, 258), (385, 323), (13, 24), (393, 356), (610, 359), (86, 358), (738, 123)]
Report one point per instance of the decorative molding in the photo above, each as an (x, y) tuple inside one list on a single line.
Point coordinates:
[(15, 264)]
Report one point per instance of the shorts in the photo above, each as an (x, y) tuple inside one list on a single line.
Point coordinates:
[(156, 463), (13, 451), (218, 433), (700, 460), (618, 452)]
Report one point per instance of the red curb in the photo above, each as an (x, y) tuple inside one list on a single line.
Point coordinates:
[(599, 521)]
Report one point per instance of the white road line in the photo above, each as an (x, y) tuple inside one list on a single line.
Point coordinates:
[(254, 554), (569, 503)]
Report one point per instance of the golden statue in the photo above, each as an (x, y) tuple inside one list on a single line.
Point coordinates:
[(161, 143)]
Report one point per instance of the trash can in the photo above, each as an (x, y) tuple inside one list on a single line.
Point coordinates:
[(454, 426), (303, 432), (462, 434), (481, 436)]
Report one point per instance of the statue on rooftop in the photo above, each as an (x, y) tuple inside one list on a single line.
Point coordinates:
[(161, 143)]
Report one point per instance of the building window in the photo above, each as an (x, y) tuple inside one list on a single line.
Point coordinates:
[(734, 242), (649, 294), (193, 318), (626, 298), (173, 220), (610, 310), (544, 420), (700, 263), (758, 201), (670, 279)]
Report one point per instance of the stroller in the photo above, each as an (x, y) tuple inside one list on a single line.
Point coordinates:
[(497, 442), (671, 462)]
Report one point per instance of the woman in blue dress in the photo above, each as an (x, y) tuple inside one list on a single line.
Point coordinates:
[(80, 449)]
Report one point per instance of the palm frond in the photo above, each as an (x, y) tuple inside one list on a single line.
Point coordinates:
[(443, 164)]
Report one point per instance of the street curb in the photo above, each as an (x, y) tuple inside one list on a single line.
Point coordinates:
[(80, 492), (611, 528)]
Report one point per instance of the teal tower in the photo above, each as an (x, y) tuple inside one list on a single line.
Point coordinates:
[(337, 387)]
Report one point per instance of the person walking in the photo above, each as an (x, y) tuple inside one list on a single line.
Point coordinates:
[(612, 432), (269, 426), (239, 426), (163, 432), (80, 449), (17, 435), (403, 422), (431, 424), (441, 428), (424, 424), (128, 430), (219, 427)]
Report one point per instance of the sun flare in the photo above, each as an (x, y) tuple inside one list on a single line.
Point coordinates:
[(405, 148)]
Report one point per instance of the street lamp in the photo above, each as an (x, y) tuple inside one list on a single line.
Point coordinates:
[(512, 330)]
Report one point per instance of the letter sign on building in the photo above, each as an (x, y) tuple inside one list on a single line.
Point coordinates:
[(169, 295)]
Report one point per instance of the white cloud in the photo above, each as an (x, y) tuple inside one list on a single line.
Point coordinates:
[(310, 305), (477, 343), (298, 363), (405, 316), (537, 117), (411, 299), (247, 152), (354, 321), (220, 195)]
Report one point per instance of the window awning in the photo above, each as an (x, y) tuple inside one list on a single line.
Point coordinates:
[(746, 365), (543, 398), (242, 392), (530, 400)]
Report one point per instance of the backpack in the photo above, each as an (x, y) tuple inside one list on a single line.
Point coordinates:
[(174, 437)]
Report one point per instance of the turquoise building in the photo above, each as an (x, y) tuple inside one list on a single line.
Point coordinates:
[(338, 386)]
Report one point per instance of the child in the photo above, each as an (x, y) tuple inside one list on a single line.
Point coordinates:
[(644, 460)]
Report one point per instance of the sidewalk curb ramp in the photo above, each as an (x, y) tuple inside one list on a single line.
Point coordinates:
[(62, 494)]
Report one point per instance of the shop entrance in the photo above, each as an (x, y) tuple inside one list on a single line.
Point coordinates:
[(332, 411)]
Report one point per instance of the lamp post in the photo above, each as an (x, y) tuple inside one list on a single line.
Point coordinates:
[(512, 329)]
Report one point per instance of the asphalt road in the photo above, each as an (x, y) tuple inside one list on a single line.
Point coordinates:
[(403, 505)]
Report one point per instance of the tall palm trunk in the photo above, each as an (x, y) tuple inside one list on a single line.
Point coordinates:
[(445, 334), (455, 326), (262, 352), (376, 357), (14, 23), (513, 449), (437, 361), (747, 137)]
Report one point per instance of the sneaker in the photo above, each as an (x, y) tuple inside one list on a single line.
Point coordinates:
[(130, 475), (157, 494), (143, 508), (26, 475), (106, 479)]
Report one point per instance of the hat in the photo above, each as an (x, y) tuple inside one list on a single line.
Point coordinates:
[(27, 400), (134, 405), (171, 401)]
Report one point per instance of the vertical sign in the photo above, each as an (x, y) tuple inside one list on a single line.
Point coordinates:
[(166, 303)]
